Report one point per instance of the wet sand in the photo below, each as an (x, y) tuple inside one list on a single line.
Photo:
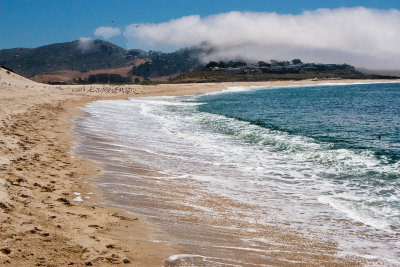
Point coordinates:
[(210, 229), (41, 223)]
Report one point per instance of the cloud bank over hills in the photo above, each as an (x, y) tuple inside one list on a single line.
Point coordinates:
[(107, 32), (359, 36)]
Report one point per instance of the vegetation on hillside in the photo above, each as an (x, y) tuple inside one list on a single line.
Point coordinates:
[(67, 56), (165, 64), (47, 62), (104, 78), (275, 70)]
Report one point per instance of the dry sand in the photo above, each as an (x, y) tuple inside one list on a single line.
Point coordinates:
[(40, 223)]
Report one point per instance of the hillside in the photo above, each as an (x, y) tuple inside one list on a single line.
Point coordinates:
[(73, 56), (72, 61), (166, 64), (262, 71), (97, 61)]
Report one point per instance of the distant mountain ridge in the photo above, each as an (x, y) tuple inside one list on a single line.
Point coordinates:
[(96, 54), (97, 61)]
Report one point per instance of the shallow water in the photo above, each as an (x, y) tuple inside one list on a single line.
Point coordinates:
[(252, 177)]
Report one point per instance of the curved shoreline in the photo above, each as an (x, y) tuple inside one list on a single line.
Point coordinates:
[(39, 179)]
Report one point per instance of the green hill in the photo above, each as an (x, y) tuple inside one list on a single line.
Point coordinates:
[(67, 56), (166, 64), (100, 61), (285, 70)]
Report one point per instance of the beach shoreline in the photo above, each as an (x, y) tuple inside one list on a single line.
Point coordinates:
[(43, 221)]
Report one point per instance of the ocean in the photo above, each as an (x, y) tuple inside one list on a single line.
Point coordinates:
[(256, 176)]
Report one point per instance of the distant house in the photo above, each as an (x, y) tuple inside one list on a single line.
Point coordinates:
[(294, 67), (330, 66), (265, 69), (276, 67), (234, 70), (250, 70), (218, 69), (309, 68)]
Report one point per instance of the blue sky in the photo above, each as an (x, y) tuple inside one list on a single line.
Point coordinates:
[(32, 23)]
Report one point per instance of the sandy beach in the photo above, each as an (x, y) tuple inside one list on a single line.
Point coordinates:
[(43, 220)]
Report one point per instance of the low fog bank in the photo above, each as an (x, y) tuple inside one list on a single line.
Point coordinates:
[(366, 38)]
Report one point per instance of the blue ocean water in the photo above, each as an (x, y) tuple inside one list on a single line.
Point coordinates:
[(323, 160), (364, 117), (351, 133)]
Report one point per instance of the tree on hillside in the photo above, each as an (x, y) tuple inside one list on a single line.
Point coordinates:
[(263, 64), (163, 64), (105, 78), (296, 61)]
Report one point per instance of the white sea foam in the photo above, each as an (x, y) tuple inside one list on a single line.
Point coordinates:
[(246, 163), (239, 156), (181, 256), (193, 260), (358, 215), (234, 89)]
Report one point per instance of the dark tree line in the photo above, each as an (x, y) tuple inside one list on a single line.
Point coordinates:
[(104, 78), (224, 65)]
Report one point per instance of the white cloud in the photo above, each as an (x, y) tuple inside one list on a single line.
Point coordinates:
[(85, 43), (360, 36), (107, 32)]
